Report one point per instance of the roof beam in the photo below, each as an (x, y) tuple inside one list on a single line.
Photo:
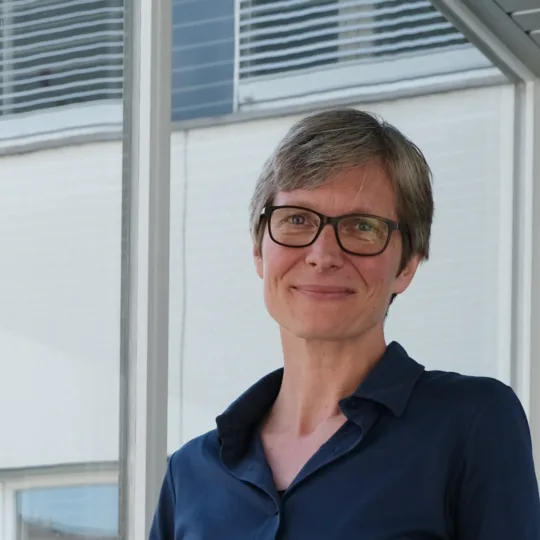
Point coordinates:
[(517, 5), (487, 26)]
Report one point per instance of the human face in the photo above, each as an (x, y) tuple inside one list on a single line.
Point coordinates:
[(319, 292)]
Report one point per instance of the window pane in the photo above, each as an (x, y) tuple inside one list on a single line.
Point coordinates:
[(60, 53), (300, 52), (60, 217), (72, 513), (202, 58), (275, 38), (60, 211)]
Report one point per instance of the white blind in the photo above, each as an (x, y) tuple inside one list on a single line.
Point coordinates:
[(286, 35), (59, 52)]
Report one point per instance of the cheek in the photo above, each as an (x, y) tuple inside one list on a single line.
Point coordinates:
[(377, 273), (279, 264), (275, 293), (276, 260)]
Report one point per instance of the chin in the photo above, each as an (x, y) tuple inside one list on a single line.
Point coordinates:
[(323, 331)]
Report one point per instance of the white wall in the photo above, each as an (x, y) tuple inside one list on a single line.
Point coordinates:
[(60, 292)]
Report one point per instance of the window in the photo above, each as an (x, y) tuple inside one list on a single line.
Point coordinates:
[(227, 55), (60, 53), (73, 512), (203, 58), (83, 512), (277, 37), (292, 48), (69, 502)]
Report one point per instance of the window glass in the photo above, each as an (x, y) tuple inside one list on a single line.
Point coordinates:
[(71, 513)]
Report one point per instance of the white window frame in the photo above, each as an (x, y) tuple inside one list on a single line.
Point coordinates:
[(526, 259), (3, 513), (144, 340), (23, 480), (76, 123)]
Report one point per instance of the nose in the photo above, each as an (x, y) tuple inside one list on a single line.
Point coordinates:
[(325, 253)]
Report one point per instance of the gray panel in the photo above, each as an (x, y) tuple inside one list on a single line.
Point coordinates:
[(528, 20), (536, 36), (511, 6), (506, 37)]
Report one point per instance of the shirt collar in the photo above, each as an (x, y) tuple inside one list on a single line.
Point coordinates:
[(390, 383)]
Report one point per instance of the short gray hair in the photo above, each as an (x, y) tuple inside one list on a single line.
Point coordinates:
[(325, 143)]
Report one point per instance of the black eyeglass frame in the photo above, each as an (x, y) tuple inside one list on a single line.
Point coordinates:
[(334, 221)]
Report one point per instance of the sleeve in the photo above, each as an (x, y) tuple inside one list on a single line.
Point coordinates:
[(498, 495), (163, 522)]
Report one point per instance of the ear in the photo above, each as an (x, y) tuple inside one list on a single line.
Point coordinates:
[(404, 278), (257, 259)]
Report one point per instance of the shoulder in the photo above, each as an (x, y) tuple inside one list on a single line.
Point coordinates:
[(200, 451), (466, 404), (469, 417), (466, 393)]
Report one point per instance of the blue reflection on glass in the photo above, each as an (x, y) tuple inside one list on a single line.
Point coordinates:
[(90, 510), (202, 58)]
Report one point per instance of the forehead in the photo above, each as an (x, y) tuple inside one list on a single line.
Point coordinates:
[(366, 188)]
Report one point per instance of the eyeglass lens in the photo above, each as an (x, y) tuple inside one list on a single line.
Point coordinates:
[(359, 234)]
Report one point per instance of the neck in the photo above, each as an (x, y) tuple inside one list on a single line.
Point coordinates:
[(317, 375)]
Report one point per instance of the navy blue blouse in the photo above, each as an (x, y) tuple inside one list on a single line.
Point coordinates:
[(424, 455)]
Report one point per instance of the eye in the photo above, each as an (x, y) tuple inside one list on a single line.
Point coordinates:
[(364, 226), (297, 219), (294, 218)]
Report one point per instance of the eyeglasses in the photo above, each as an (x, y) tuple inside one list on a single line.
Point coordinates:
[(357, 234)]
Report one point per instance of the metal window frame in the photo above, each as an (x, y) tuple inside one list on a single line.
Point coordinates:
[(4, 525), (534, 172), (145, 263), (526, 256)]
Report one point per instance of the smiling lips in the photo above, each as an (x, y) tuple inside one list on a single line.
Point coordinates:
[(324, 292)]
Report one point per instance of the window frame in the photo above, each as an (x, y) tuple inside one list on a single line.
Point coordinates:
[(26, 479), (263, 96), (313, 84)]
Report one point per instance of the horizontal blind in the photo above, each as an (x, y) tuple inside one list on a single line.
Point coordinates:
[(287, 35), (60, 52)]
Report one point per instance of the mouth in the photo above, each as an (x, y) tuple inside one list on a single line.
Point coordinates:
[(324, 292)]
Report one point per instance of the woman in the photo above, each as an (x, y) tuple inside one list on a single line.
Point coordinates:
[(353, 438)]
